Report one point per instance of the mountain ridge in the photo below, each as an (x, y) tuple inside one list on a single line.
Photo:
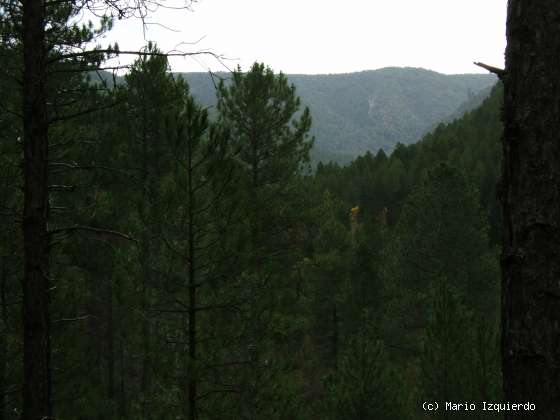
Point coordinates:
[(372, 109)]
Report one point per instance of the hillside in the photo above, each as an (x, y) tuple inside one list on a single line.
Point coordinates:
[(471, 142), (368, 110)]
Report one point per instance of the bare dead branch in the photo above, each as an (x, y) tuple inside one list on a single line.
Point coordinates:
[(62, 187), (497, 71), (138, 53), (74, 166), (64, 320), (101, 233)]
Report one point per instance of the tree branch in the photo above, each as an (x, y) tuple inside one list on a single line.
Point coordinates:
[(81, 113), (498, 72), (80, 318), (98, 231), (139, 53), (75, 166), (61, 187)]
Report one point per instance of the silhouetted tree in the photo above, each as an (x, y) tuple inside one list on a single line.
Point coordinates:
[(531, 207)]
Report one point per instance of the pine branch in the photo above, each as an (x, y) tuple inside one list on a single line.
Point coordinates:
[(82, 113)]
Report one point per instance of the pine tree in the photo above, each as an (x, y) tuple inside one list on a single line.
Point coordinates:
[(445, 363), (271, 142), (261, 109), (10, 234), (197, 224), (151, 98), (439, 271), (366, 383), (328, 275), (38, 33)]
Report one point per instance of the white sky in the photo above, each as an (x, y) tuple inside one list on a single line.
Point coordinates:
[(327, 36)]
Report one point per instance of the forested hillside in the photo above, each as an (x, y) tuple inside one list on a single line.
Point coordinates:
[(356, 112), (470, 143), (201, 270)]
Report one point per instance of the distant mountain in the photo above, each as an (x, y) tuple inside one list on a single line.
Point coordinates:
[(356, 112)]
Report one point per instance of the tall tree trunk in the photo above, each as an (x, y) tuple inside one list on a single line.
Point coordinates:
[(110, 338), (146, 215), (192, 286), (3, 339), (123, 403), (145, 385), (36, 347), (335, 338), (531, 207)]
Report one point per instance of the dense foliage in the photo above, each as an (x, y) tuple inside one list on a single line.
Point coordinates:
[(201, 270)]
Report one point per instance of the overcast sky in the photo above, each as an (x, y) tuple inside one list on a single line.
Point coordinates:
[(327, 36)]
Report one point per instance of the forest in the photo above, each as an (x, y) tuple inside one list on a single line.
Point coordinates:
[(161, 259), (204, 263)]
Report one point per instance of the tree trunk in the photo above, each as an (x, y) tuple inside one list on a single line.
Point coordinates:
[(123, 403), (3, 339), (36, 347), (110, 338), (192, 286), (531, 208), (145, 384), (335, 338), (146, 216)]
